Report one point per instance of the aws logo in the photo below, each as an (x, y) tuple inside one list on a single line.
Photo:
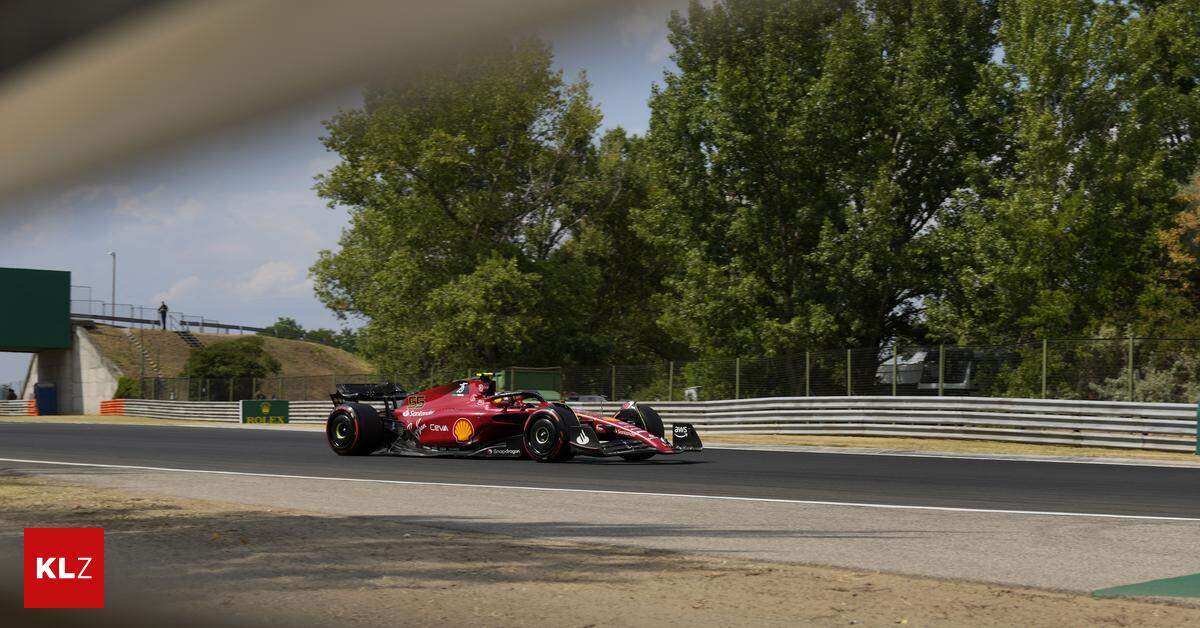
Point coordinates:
[(463, 430)]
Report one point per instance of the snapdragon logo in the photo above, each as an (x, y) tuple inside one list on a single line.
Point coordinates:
[(64, 568)]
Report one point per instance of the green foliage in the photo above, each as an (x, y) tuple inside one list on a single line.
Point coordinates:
[(1170, 384), (285, 328), (128, 388), (1100, 108), (486, 225), (817, 175), (808, 153), (243, 357), (346, 339)]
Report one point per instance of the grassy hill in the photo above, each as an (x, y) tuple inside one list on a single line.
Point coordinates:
[(296, 357)]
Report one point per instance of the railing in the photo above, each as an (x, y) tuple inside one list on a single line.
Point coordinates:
[(148, 317)]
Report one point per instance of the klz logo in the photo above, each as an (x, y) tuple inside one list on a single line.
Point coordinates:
[(64, 568)]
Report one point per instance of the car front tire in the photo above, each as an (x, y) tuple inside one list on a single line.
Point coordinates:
[(646, 418)]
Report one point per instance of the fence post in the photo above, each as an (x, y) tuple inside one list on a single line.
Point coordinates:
[(231, 389), (737, 378), (670, 380), (1131, 367), (807, 363), (895, 359), (1045, 359), (941, 370), (614, 383), (849, 389)]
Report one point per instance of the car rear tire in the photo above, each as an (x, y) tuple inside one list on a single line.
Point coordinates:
[(545, 440), (646, 418), (354, 430)]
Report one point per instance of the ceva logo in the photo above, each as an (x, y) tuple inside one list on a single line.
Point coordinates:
[(64, 568)]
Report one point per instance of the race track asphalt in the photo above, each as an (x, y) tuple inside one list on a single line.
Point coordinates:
[(895, 480)]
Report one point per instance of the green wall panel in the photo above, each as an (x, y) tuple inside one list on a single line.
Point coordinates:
[(34, 309)]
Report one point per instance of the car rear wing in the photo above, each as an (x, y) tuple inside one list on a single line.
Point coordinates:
[(388, 393)]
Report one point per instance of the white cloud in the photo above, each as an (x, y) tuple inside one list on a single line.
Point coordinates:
[(178, 290), (153, 209), (274, 279), (646, 27)]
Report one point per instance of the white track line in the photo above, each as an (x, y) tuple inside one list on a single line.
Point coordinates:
[(769, 500)]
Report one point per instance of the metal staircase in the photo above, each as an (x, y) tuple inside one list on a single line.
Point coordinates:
[(191, 340), (140, 348)]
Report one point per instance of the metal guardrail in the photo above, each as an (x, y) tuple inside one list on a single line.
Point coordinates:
[(1151, 426), (19, 407), (314, 411), (190, 410)]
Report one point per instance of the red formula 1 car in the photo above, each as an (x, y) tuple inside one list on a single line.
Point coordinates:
[(468, 418)]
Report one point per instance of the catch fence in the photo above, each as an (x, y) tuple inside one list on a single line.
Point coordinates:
[(1105, 369)]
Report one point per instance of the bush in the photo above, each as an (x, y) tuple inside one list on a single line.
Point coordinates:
[(128, 388), (244, 357)]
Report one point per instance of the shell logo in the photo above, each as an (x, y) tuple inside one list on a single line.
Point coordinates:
[(463, 430)]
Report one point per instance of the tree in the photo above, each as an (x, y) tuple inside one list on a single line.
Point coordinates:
[(472, 192), (1103, 122), (285, 328), (806, 155), (243, 357), (345, 339)]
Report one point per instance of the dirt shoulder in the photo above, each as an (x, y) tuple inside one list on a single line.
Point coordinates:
[(210, 562)]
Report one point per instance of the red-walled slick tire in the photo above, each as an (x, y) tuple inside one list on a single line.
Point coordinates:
[(354, 430), (545, 440)]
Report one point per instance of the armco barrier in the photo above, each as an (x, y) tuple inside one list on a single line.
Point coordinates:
[(315, 411), (190, 410), (18, 407), (1156, 426)]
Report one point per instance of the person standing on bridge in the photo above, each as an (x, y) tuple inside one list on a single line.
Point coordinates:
[(162, 314)]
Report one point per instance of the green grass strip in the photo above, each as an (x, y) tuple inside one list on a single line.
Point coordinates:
[(1181, 586)]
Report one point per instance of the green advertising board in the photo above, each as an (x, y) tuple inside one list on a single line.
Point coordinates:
[(264, 411), (36, 315)]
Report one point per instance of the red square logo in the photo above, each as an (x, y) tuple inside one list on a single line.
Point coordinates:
[(64, 568)]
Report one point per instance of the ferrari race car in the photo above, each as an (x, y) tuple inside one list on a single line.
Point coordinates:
[(468, 418)]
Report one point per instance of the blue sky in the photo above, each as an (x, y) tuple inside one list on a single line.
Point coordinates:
[(227, 226)]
